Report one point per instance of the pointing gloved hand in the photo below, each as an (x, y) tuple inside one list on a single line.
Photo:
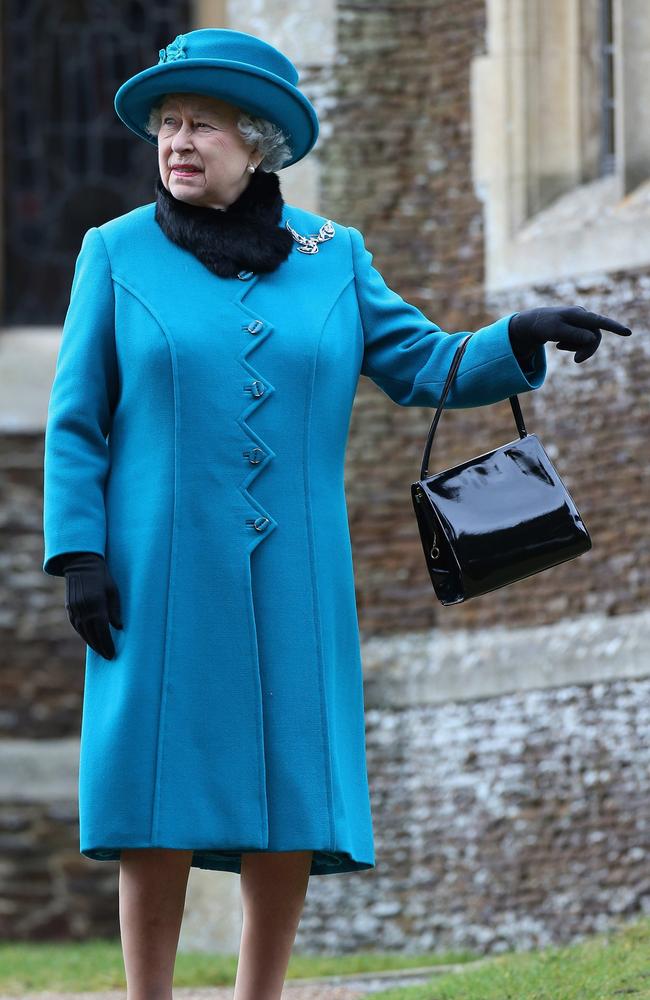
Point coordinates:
[(92, 600), (573, 328)]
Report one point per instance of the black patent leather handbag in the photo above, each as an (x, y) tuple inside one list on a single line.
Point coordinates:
[(497, 518)]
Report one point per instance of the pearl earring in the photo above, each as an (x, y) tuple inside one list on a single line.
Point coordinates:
[(251, 167)]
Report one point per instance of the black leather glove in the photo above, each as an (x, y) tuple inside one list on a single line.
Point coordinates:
[(92, 600), (574, 328)]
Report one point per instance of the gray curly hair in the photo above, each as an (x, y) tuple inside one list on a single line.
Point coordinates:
[(258, 133)]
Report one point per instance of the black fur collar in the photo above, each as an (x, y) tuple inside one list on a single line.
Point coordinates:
[(244, 237)]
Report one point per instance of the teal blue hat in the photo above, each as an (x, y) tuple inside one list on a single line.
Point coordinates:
[(231, 65)]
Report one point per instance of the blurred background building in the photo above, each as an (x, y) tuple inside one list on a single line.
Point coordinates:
[(496, 156)]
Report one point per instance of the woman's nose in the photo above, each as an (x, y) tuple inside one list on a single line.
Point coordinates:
[(181, 139)]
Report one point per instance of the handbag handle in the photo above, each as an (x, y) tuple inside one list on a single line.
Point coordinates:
[(453, 368)]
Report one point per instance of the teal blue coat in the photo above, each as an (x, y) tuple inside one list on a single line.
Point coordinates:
[(196, 438)]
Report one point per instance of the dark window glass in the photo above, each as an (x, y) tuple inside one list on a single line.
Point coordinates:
[(69, 163)]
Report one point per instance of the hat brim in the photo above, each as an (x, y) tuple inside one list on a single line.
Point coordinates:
[(251, 88)]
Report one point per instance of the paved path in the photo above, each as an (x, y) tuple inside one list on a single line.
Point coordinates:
[(326, 988), (314, 992)]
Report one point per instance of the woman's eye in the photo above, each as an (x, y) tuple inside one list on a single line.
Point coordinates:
[(166, 120)]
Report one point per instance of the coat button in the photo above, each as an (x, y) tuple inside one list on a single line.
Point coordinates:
[(245, 275), (254, 456), (256, 387), (254, 326), (259, 523)]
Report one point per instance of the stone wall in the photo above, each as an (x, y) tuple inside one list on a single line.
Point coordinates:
[(49, 890), (509, 822)]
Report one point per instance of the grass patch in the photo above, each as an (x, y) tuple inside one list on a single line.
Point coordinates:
[(611, 966), (98, 965)]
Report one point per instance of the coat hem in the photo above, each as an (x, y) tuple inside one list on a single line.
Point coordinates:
[(323, 862)]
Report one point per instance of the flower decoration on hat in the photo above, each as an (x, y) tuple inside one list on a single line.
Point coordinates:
[(175, 50)]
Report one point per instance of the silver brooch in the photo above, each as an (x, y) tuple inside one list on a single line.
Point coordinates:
[(309, 244)]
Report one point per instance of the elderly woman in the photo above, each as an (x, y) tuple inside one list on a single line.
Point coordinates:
[(194, 502)]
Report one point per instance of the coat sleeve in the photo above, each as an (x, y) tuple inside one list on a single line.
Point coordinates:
[(408, 356), (82, 400)]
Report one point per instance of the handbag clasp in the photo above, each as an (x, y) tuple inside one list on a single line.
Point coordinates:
[(434, 551)]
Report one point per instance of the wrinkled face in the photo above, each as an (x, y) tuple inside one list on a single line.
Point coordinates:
[(201, 132)]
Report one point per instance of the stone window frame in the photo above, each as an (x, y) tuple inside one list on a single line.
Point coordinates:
[(536, 101)]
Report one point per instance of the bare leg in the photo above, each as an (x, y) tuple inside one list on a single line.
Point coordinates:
[(152, 887), (273, 889)]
